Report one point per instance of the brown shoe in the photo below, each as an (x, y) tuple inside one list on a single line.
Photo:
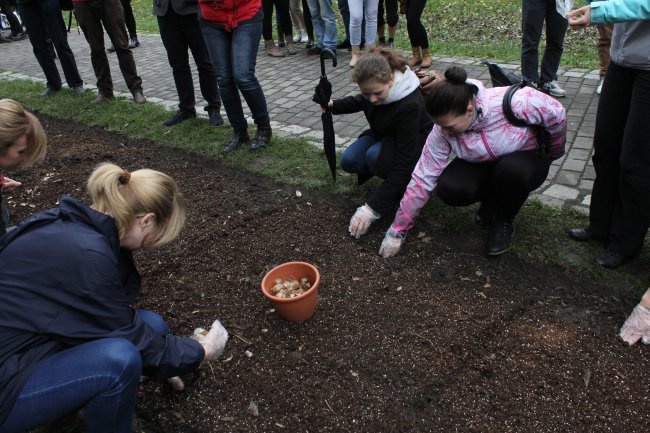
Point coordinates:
[(272, 50), (138, 97), (416, 59), (427, 61), (101, 98)]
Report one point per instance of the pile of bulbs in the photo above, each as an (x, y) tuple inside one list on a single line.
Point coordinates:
[(290, 288)]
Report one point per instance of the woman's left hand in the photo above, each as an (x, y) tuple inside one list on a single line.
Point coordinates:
[(329, 105), (579, 18), (9, 185)]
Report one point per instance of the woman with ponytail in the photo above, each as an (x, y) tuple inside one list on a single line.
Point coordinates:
[(497, 164), (69, 336), (392, 102)]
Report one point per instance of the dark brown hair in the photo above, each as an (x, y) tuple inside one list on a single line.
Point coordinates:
[(451, 95), (378, 65)]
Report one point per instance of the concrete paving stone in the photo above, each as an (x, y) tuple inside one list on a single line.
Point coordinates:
[(568, 178), (549, 201), (589, 173), (552, 170), (581, 209), (586, 185), (561, 192), (586, 201), (583, 143), (579, 154), (586, 131), (574, 165)]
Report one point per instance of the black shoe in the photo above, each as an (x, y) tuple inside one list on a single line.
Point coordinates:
[(179, 117), (49, 91), (314, 51), (344, 45), (18, 36), (309, 44), (583, 234), (238, 138), (110, 49), (134, 43), (262, 137), (500, 237), (214, 118), (612, 259)]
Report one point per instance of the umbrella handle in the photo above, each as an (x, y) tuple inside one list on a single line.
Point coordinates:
[(326, 52)]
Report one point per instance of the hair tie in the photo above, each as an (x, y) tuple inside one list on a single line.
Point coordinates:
[(125, 177), (377, 51)]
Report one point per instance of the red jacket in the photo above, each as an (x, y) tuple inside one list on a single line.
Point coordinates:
[(229, 13)]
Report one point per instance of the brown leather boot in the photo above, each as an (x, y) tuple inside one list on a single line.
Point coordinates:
[(272, 50), (427, 61), (416, 59), (356, 53), (291, 48)]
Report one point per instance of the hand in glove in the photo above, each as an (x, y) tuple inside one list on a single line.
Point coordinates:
[(391, 244), (214, 341), (361, 220), (637, 326), (176, 383)]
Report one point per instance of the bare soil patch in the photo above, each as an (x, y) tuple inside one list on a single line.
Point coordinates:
[(437, 339)]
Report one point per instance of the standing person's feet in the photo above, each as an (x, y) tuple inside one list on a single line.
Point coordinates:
[(584, 234), (134, 42), (110, 49), (214, 118), (49, 91), (179, 117), (272, 50), (309, 44), (599, 87), (612, 259), (314, 51), (79, 90), (18, 36), (500, 237), (238, 138), (281, 41), (553, 88), (345, 45), (101, 98), (138, 97), (262, 137)]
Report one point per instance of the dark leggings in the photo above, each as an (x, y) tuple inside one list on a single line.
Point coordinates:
[(417, 32), (129, 19), (282, 7), (500, 186), (306, 16), (391, 13)]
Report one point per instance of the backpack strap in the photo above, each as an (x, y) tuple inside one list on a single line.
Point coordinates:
[(540, 133)]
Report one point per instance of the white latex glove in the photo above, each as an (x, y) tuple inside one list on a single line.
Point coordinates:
[(391, 244), (361, 220), (637, 326), (214, 342)]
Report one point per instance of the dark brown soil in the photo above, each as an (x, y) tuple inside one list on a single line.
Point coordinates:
[(438, 338)]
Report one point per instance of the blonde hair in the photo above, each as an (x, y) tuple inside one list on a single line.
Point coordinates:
[(16, 122), (122, 195), (378, 65)]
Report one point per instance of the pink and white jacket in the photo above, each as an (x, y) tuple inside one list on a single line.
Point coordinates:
[(489, 137)]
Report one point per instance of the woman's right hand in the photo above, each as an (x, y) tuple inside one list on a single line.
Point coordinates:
[(214, 342), (391, 244), (579, 18), (329, 105)]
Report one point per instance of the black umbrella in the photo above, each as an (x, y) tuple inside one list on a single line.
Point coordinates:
[(499, 76), (322, 96)]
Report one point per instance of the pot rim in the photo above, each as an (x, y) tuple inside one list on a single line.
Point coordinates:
[(313, 287)]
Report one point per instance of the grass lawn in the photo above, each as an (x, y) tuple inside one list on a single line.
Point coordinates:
[(488, 29)]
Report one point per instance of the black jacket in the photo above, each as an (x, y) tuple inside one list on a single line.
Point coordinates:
[(403, 126), (64, 280)]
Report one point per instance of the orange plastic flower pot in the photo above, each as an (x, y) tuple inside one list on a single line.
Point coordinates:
[(301, 307)]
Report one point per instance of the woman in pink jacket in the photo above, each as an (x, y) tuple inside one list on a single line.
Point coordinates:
[(497, 163)]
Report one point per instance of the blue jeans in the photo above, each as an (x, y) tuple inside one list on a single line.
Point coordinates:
[(322, 16), (102, 376), (361, 155), (234, 55), (43, 19)]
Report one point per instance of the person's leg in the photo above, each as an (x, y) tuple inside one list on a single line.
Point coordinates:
[(176, 43), (295, 7), (101, 376), (113, 20), (604, 42), (356, 16), (16, 28), (361, 155), (381, 23), (330, 36), (317, 21), (532, 22), (611, 118), (154, 320), (129, 20), (91, 26), (267, 21), (631, 216), (516, 175), (344, 10), (50, 10), (34, 22), (309, 26), (370, 15), (207, 75), (556, 27), (463, 183), (392, 18)]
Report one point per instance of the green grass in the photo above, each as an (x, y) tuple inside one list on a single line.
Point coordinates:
[(488, 29), (540, 236)]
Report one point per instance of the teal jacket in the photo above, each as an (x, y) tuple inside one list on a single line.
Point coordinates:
[(631, 37)]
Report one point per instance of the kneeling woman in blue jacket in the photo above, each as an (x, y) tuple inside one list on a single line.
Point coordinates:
[(69, 336)]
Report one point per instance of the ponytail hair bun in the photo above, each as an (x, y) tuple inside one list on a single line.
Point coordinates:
[(456, 75), (451, 95)]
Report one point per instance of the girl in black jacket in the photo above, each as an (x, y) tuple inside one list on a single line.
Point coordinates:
[(393, 104)]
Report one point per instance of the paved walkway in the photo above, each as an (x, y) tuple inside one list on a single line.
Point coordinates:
[(288, 85)]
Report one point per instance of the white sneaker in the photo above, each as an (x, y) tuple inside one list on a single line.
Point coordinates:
[(599, 87), (553, 89), (297, 38), (305, 38)]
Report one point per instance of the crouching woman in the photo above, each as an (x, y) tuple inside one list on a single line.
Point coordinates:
[(497, 164), (391, 100), (69, 336)]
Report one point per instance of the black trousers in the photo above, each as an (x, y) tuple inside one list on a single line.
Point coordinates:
[(391, 13), (534, 13), (129, 19), (501, 186), (180, 33), (415, 28), (5, 6), (620, 201), (282, 8)]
